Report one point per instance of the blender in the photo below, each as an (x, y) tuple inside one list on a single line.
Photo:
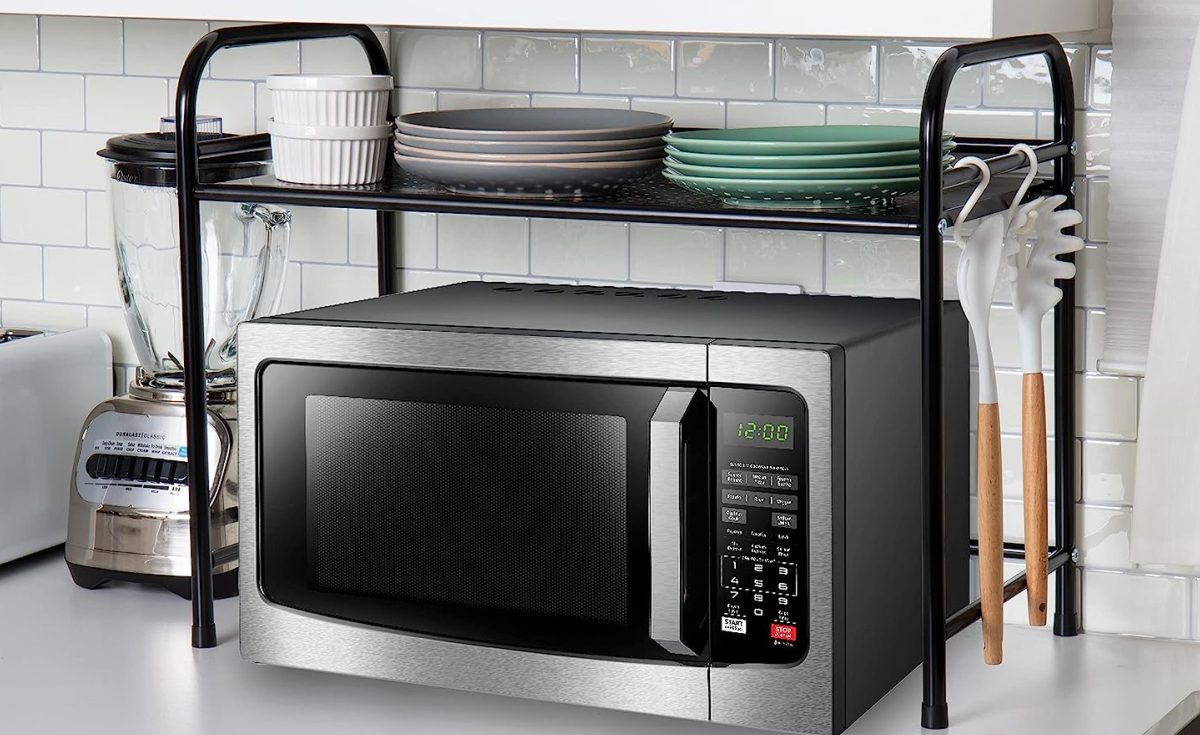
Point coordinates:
[(129, 518)]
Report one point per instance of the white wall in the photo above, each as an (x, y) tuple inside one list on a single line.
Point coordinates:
[(66, 84)]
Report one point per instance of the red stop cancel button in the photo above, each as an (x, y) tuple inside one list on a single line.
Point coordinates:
[(783, 632)]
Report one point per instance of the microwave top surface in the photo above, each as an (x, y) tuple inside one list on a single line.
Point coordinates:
[(632, 312)]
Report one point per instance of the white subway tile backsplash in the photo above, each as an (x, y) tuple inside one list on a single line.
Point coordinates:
[(21, 272), (675, 255), (81, 276), (580, 100), (1097, 209), (439, 59), (775, 256), (1101, 78), (231, 101), (1025, 82), (93, 45), (126, 104), (335, 56), (254, 62), (43, 101), (981, 122), (21, 154), (99, 220), (1093, 345), (361, 235), (415, 280), (18, 42), (593, 250), (335, 284), (42, 315), (69, 160), (685, 113), (628, 65), (543, 62), (827, 71), (725, 68), (906, 67), (111, 321), (318, 235), (1108, 471), (1089, 277), (1151, 604), (1012, 462), (764, 114), (1107, 407), (467, 100), (869, 265), (293, 282), (1104, 538), (414, 100), (1092, 133), (42, 216), (158, 47), (419, 231), (492, 244)]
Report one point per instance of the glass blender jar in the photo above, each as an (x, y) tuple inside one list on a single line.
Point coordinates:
[(129, 515)]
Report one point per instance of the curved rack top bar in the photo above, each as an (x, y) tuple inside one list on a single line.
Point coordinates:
[(204, 630)]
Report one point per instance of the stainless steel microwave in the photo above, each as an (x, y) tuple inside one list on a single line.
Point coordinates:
[(695, 504)]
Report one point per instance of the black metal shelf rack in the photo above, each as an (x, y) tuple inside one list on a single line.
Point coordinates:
[(925, 215)]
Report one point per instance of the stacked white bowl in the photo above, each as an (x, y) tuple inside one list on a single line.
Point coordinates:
[(329, 129)]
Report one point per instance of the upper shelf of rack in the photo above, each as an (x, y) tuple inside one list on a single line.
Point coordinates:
[(655, 200), (962, 19)]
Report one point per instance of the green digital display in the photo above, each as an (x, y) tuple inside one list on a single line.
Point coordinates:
[(757, 430)]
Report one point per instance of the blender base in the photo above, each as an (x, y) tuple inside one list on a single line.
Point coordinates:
[(225, 584)]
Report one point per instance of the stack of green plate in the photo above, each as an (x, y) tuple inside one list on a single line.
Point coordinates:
[(821, 166)]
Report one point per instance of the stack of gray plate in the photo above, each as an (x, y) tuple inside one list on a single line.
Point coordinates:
[(532, 152)]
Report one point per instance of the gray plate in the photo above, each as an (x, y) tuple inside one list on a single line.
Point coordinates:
[(527, 146), (631, 154), (535, 123), (530, 179)]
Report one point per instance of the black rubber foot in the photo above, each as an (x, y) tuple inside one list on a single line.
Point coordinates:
[(204, 636), (1066, 626), (935, 716), (225, 584)]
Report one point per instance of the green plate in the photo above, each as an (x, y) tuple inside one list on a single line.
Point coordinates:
[(814, 193), (835, 160), (799, 139), (726, 172)]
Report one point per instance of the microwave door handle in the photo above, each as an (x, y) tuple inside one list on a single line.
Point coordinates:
[(666, 529)]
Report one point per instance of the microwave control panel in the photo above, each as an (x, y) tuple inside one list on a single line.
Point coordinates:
[(760, 603)]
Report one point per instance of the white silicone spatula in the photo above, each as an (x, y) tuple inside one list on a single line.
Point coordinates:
[(1032, 270), (978, 268)]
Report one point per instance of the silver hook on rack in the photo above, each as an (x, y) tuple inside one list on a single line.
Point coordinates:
[(1030, 175), (985, 178)]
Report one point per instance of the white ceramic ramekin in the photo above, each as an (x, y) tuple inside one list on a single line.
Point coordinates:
[(330, 99), (330, 156)]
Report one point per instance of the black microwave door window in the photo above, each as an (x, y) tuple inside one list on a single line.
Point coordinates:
[(490, 508), (498, 510)]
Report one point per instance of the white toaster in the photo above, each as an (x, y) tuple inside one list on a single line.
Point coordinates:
[(48, 384)]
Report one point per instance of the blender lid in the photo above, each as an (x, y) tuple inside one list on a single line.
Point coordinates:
[(149, 158)]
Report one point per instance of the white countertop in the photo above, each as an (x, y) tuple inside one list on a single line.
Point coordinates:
[(117, 660)]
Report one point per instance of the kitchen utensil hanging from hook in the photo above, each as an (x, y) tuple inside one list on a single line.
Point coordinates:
[(978, 268), (1032, 270)]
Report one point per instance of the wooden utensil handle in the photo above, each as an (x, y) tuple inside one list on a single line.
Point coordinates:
[(991, 533), (1033, 462)]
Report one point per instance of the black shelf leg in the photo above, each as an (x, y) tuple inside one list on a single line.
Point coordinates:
[(385, 253), (204, 631)]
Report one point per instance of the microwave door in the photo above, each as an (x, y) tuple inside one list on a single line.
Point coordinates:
[(678, 527)]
